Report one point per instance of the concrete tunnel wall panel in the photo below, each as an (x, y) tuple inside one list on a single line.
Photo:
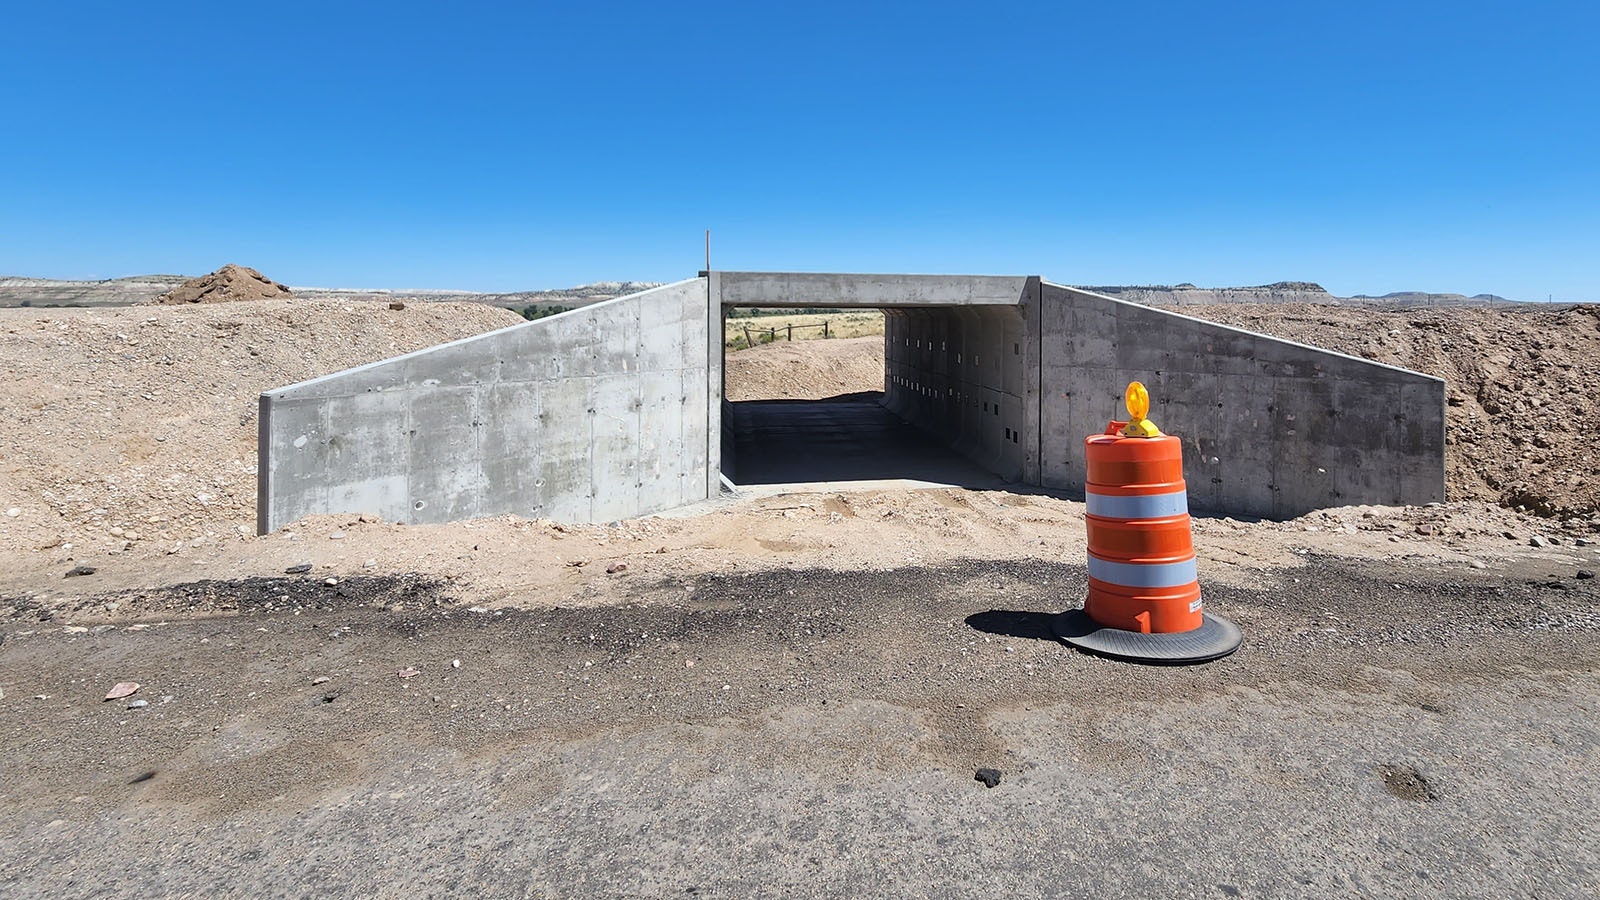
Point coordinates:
[(1271, 428), (958, 373), (596, 414)]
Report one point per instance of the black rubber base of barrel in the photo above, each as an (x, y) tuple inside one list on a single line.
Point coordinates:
[(1215, 638)]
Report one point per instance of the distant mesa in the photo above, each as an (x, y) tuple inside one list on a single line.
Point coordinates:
[(1274, 287), (1310, 287), (1428, 298), (229, 284)]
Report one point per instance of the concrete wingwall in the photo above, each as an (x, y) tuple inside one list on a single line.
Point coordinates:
[(1270, 428), (605, 412)]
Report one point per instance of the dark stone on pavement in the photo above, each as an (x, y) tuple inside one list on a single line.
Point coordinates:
[(300, 569), (1407, 783), (80, 570), (989, 777)]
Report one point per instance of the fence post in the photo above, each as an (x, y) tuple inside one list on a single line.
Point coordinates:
[(791, 331), (747, 341), (824, 327)]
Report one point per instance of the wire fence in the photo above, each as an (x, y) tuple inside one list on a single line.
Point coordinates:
[(768, 335)]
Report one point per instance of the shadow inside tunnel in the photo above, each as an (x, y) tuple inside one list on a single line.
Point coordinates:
[(1037, 626), (849, 437)]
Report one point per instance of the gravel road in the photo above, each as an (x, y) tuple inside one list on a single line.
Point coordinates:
[(1383, 732)]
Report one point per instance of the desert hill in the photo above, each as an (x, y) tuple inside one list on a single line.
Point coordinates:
[(19, 291), (23, 291)]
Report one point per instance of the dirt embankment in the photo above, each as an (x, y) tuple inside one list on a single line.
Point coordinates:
[(138, 425), (1522, 389), (806, 370)]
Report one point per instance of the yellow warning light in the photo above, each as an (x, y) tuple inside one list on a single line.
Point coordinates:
[(1137, 400)]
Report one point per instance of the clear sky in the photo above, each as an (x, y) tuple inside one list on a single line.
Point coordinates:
[(1445, 146)]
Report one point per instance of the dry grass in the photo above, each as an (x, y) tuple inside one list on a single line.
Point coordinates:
[(806, 326)]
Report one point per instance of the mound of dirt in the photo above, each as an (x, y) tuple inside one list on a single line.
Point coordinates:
[(806, 370), (229, 284), (1521, 424)]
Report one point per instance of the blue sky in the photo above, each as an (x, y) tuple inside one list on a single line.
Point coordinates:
[(1369, 146)]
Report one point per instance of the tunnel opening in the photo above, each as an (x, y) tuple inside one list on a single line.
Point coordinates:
[(944, 406)]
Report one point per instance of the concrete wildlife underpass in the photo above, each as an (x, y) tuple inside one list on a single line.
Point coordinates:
[(617, 409)]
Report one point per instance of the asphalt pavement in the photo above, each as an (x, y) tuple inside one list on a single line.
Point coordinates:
[(1382, 733)]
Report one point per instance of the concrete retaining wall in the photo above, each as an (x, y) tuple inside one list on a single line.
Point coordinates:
[(1270, 428), (605, 412)]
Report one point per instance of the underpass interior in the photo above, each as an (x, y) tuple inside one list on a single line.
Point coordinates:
[(949, 412)]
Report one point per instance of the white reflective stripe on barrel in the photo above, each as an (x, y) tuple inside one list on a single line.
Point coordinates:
[(1140, 506), (1143, 575)]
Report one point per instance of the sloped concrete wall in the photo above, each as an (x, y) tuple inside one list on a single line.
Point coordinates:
[(1270, 428), (605, 412)]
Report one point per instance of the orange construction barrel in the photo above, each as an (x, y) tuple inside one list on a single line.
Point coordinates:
[(1144, 593)]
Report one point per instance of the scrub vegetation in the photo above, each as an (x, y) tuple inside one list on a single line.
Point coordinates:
[(764, 326)]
